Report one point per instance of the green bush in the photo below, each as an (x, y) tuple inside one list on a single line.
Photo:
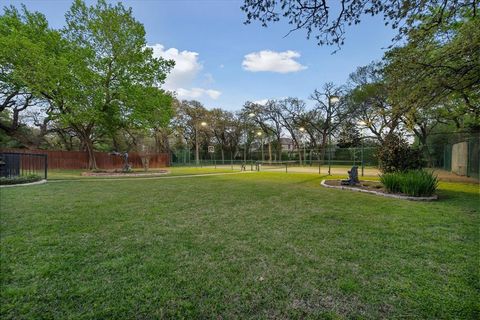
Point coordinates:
[(395, 154), (391, 181), (18, 180), (416, 183)]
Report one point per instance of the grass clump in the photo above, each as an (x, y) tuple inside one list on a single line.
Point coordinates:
[(20, 179), (416, 183)]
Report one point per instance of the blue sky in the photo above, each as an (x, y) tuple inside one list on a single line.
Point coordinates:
[(223, 63)]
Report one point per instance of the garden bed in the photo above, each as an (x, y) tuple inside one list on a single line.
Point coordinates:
[(23, 184), (124, 174), (373, 187), (25, 180)]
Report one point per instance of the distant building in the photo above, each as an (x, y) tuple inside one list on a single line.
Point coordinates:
[(288, 144)]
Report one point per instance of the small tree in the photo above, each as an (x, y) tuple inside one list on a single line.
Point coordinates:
[(395, 154)]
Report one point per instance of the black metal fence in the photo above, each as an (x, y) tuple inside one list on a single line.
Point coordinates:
[(23, 164)]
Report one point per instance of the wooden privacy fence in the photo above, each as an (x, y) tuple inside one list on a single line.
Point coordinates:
[(79, 159)]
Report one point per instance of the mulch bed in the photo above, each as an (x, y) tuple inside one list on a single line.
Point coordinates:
[(373, 187), (365, 185)]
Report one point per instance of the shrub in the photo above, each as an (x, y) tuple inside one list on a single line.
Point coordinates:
[(391, 181), (416, 183), (396, 155), (18, 180)]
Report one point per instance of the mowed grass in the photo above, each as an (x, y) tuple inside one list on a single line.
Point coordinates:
[(254, 245)]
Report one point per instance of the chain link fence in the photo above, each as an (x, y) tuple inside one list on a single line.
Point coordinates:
[(331, 160), (459, 156)]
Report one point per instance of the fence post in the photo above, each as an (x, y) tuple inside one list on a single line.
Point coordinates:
[(329, 157), (318, 158), (363, 164), (444, 157)]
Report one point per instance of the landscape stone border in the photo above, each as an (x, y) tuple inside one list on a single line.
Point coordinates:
[(378, 193), (24, 184)]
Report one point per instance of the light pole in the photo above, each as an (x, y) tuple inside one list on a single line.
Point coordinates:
[(362, 124), (331, 101), (259, 133), (302, 130), (250, 115), (203, 124)]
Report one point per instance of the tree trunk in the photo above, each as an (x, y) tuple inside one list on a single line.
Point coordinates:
[(92, 162), (324, 145), (279, 148), (270, 152)]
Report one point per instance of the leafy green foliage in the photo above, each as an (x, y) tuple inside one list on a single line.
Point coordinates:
[(436, 74), (26, 46), (391, 181), (396, 155), (20, 179), (416, 183), (97, 76)]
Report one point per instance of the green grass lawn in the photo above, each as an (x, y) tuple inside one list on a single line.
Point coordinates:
[(256, 245)]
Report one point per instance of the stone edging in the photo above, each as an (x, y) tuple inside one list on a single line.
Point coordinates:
[(24, 184), (388, 195)]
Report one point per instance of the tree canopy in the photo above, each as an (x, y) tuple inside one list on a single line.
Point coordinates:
[(327, 20), (96, 76)]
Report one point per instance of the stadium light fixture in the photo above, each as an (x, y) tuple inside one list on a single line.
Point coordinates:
[(334, 99)]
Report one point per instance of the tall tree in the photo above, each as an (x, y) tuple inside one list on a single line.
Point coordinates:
[(437, 69), (330, 110), (111, 79), (26, 46), (222, 125), (290, 111), (369, 101), (267, 117), (188, 123), (349, 135)]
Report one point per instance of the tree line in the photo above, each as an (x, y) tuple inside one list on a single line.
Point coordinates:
[(94, 85)]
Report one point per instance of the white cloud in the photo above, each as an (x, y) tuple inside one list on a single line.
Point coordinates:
[(186, 70), (261, 101), (264, 101), (195, 93), (267, 60), (186, 67)]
